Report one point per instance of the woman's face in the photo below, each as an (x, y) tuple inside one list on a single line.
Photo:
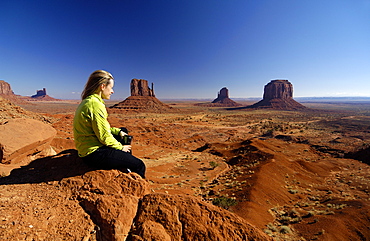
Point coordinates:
[(107, 90)]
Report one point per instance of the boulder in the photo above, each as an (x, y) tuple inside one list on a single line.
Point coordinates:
[(180, 217), (111, 198), (24, 139)]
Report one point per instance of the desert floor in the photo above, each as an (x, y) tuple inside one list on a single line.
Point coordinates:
[(286, 172)]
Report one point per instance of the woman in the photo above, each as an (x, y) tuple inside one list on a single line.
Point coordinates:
[(93, 135)]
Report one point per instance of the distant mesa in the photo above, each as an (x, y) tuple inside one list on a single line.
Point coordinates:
[(222, 100), (7, 93), (142, 99), (278, 94), (41, 95)]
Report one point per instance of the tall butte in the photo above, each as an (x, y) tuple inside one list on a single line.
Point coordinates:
[(142, 99), (278, 94), (222, 100)]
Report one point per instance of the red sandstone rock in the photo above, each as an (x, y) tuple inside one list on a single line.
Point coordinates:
[(222, 100), (41, 95), (5, 88), (8, 110), (224, 93), (179, 217), (139, 87), (22, 139), (119, 204), (141, 103), (111, 198), (278, 94), (6, 92), (42, 98), (278, 89), (142, 99)]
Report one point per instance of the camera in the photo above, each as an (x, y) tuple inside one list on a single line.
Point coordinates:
[(126, 140)]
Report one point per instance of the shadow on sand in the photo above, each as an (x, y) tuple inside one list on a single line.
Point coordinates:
[(53, 168)]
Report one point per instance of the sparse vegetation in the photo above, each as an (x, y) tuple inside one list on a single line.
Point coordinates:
[(305, 138), (213, 164), (224, 202)]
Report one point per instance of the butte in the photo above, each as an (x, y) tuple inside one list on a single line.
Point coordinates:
[(278, 94), (222, 100), (7, 93), (142, 99), (41, 95)]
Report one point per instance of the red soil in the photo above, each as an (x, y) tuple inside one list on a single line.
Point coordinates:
[(292, 189)]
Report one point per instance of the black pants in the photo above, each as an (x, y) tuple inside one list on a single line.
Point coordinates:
[(110, 158)]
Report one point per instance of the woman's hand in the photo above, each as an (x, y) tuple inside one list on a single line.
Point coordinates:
[(126, 148), (121, 133)]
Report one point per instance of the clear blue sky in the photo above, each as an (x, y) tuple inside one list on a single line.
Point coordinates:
[(188, 48)]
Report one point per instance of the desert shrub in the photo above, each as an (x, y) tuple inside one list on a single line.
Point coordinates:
[(213, 164), (268, 133), (285, 229), (224, 202), (272, 227), (293, 191), (309, 214), (268, 232)]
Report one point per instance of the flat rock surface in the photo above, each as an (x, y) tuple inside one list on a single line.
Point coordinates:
[(23, 137)]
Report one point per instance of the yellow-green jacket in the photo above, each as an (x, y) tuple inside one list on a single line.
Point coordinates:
[(91, 128)]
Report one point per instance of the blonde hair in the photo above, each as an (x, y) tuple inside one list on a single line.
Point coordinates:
[(96, 79)]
